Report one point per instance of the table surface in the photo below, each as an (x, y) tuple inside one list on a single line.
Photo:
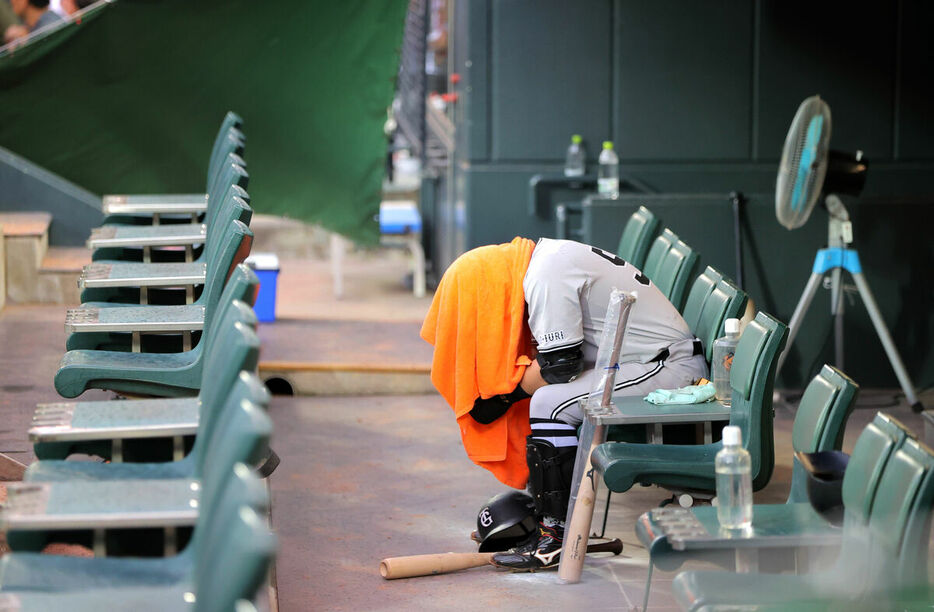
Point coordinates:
[(773, 525), (628, 410)]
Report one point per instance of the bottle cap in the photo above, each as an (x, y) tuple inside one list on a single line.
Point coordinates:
[(607, 144), (576, 139), (731, 326), (732, 436)]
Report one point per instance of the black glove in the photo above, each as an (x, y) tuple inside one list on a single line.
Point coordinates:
[(485, 411)]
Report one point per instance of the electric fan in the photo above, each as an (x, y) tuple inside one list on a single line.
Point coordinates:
[(807, 170)]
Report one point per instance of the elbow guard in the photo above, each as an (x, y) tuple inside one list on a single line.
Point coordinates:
[(562, 365)]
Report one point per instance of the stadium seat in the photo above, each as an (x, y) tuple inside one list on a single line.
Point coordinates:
[(880, 567), (669, 264), (637, 236)]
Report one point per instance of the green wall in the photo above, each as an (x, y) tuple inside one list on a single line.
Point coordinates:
[(698, 97)]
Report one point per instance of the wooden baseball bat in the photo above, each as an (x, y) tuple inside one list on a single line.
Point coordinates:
[(442, 563), (577, 531)]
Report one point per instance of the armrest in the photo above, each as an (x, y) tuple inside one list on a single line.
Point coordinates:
[(126, 274), (182, 203), (142, 236), (110, 420), (165, 319), (119, 504)]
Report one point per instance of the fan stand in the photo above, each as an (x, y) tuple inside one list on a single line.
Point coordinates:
[(835, 259)]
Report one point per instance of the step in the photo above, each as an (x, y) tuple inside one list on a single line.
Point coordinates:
[(26, 240), (58, 275)]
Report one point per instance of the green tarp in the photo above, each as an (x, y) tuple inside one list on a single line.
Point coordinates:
[(129, 101)]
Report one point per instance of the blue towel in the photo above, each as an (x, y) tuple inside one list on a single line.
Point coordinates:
[(693, 394)]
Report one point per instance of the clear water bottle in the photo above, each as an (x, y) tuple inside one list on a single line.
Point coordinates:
[(722, 361), (734, 482), (608, 178), (574, 163)]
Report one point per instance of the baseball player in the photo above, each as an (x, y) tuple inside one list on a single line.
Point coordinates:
[(566, 288)]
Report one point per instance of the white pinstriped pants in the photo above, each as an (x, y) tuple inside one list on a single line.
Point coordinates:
[(555, 413)]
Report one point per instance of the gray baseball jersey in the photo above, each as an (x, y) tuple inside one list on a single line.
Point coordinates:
[(567, 288)]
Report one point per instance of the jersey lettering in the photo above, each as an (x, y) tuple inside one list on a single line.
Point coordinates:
[(551, 337), (613, 259), (642, 279)]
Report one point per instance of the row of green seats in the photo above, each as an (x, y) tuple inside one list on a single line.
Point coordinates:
[(176, 516), (888, 498)]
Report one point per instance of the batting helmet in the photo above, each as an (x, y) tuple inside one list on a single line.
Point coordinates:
[(505, 521)]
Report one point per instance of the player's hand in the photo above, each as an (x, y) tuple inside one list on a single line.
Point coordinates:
[(487, 410)]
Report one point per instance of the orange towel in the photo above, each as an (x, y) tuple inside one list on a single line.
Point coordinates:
[(482, 342)]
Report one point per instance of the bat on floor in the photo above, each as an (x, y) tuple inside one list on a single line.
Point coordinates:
[(442, 563)]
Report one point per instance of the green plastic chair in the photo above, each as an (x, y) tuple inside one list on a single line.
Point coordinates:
[(106, 283), (880, 567), (221, 424), (92, 428), (669, 265), (28, 571), (83, 322), (701, 289), (225, 578), (156, 374), (726, 301), (637, 236), (81, 496), (819, 424), (126, 243), (691, 468), (660, 246)]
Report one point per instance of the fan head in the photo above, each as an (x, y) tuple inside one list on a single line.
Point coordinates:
[(804, 163)]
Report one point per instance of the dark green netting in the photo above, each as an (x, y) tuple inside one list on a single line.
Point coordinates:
[(131, 100)]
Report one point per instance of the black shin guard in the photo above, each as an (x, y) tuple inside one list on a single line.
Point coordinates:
[(550, 472)]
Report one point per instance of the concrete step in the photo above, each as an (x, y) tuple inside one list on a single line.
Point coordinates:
[(25, 242), (58, 275)]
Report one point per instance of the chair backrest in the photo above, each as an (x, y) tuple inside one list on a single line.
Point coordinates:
[(238, 432), (232, 171), (637, 236), (236, 349), (669, 265), (231, 142), (234, 248), (239, 565), (242, 488), (752, 378), (229, 314), (217, 270), (238, 198), (660, 247), (900, 522), (820, 422), (887, 558), (872, 451), (701, 288), (726, 301)]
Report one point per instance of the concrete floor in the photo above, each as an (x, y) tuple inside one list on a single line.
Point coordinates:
[(366, 477), (363, 478)]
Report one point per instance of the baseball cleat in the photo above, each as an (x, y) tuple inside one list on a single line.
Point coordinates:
[(543, 552)]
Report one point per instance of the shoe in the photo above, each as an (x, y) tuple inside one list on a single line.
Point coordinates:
[(538, 553)]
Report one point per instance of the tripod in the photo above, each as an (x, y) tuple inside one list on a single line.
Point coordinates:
[(835, 259)]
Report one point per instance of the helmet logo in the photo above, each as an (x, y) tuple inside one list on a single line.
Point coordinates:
[(486, 519)]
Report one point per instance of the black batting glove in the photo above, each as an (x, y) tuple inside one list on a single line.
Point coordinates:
[(485, 411)]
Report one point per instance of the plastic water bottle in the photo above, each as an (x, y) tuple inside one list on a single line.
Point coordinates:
[(723, 350), (608, 178), (733, 467), (574, 163)]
